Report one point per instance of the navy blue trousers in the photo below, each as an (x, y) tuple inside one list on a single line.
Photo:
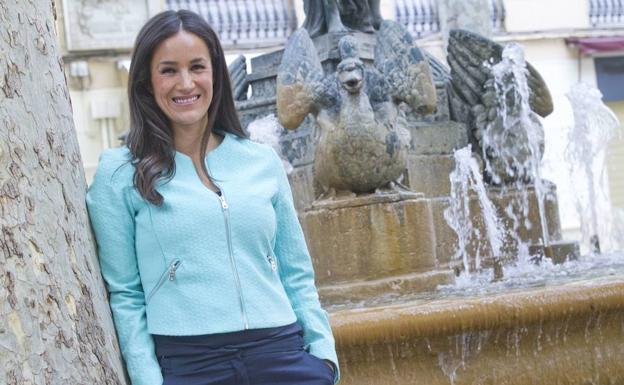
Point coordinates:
[(272, 356)]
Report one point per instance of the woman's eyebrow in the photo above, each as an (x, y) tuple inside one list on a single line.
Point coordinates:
[(173, 62), (167, 62)]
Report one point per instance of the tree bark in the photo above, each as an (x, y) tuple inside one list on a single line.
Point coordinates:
[(55, 322)]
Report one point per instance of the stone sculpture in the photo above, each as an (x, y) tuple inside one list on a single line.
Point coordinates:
[(323, 16), (474, 101), (238, 76), (363, 137)]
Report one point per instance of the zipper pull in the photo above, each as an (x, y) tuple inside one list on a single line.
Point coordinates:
[(224, 204), (272, 262), (173, 268)]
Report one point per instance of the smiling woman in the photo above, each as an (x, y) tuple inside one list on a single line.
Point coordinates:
[(209, 275), (177, 55), (181, 76)]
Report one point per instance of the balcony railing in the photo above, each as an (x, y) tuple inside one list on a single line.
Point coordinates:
[(497, 9), (421, 17), (262, 23), (245, 23), (606, 13)]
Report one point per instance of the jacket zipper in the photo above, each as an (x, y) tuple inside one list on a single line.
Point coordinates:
[(272, 262), (228, 232), (170, 272)]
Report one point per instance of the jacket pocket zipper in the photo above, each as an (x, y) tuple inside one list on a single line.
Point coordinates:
[(272, 262), (169, 273)]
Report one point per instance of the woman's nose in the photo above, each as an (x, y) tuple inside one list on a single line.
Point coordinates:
[(186, 80)]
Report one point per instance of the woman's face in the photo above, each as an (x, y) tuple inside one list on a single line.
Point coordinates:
[(181, 76)]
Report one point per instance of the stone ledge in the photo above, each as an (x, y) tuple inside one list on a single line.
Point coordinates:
[(528, 306), (400, 284)]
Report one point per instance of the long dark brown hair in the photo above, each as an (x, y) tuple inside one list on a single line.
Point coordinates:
[(150, 139)]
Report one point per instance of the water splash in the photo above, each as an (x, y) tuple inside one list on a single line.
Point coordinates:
[(517, 276), (514, 143), (267, 130), (522, 275), (595, 125), (466, 181)]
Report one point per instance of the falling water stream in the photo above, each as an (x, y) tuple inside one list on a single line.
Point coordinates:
[(467, 180), (595, 125), (516, 139)]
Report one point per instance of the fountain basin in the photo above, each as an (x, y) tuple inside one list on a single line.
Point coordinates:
[(569, 333), (369, 252)]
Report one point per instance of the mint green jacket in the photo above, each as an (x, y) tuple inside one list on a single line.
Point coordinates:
[(201, 263)]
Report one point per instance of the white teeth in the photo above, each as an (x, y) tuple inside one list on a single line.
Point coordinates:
[(185, 100)]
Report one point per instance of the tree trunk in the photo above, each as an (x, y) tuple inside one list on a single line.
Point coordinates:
[(55, 322)]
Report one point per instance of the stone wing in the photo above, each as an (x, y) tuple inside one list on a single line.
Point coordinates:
[(404, 67), (467, 53), (238, 76), (300, 87)]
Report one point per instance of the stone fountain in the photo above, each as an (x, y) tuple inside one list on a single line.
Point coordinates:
[(375, 123)]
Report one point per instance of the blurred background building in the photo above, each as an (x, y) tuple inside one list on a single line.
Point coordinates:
[(568, 41)]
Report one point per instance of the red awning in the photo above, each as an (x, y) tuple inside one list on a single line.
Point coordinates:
[(592, 45)]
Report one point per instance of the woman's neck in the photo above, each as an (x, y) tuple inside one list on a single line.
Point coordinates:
[(190, 144)]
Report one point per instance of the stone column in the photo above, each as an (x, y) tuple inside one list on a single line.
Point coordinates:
[(473, 15)]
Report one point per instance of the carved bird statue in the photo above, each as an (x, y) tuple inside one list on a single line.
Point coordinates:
[(363, 140)]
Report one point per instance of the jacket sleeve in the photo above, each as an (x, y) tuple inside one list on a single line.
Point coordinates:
[(112, 219), (297, 274)]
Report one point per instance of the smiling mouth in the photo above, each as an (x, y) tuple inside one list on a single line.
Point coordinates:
[(185, 100)]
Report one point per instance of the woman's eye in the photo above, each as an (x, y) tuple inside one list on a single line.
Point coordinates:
[(167, 71), (198, 67)]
